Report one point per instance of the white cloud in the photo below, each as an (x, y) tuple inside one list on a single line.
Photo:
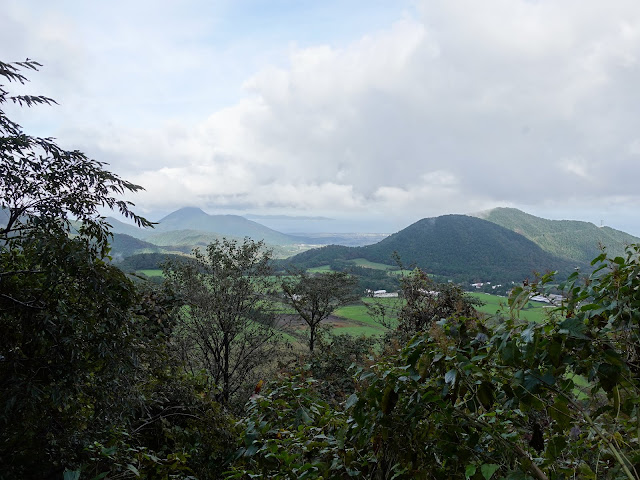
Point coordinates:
[(452, 108)]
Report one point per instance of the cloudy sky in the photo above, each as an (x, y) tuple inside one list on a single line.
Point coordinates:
[(374, 112)]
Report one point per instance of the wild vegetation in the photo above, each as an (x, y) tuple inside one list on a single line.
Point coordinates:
[(87, 386), (101, 377), (226, 327)]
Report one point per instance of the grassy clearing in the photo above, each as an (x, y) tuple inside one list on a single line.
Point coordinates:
[(358, 331), (358, 321), (533, 311), (322, 269), (359, 312), (361, 262), (150, 273)]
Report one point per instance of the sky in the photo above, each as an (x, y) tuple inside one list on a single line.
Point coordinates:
[(374, 113)]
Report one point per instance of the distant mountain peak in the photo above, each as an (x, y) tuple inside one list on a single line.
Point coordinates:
[(185, 212), (486, 213)]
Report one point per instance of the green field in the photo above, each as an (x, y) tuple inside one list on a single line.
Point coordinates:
[(150, 273), (357, 320), (322, 269), (533, 311), (361, 262)]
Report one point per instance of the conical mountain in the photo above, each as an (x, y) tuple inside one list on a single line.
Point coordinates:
[(455, 246), (194, 219)]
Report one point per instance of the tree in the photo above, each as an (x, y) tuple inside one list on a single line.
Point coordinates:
[(70, 341), (226, 327), (44, 186), (316, 296), (426, 302), (421, 303), (86, 382), (510, 399)]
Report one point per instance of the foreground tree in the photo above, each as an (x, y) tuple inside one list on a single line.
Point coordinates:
[(44, 186), (316, 296), (87, 387), (226, 327), (69, 341)]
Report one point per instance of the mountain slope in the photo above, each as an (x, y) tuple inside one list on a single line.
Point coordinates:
[(123, 245), (457, 246), (225, 225), (572, 239), (124, 228)]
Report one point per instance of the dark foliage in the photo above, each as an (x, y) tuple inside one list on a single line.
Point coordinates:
[(86, 383), (226, 318), (147, 261)]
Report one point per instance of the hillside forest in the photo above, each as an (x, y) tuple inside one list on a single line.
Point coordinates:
[(224, 367)]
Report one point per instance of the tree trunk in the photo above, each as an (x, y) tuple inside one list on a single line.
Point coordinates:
[(225, 370), (312, 336)]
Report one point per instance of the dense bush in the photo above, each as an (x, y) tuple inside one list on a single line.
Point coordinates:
[(467, 398), (87, 387)]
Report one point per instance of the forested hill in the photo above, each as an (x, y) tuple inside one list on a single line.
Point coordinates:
[(123, 245), (571, 239), (457, 246)]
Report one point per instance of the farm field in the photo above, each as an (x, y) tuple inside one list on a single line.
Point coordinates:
[(361, 262), (357, 320), (150, 273), (533, 311), (322, 269)]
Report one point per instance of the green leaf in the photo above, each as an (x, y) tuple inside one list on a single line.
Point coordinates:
[(488, 469), (303, 416), (71, 475), (351, 401), (586, 472), (609, 376), (133, 469), (555, 447), (560, 412), (450, 376), (470, 471), (574, 327), (249, 452), (528, 335)]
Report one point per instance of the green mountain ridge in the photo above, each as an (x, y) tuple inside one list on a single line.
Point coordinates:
[(190, 227), (499, 244), (576, 240), (459, 247)]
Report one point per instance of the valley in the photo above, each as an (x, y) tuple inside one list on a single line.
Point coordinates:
[(497, 248)]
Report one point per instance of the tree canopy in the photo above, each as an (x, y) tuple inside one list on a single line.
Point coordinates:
[(86, 382), (316, 296), (227, 325)]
